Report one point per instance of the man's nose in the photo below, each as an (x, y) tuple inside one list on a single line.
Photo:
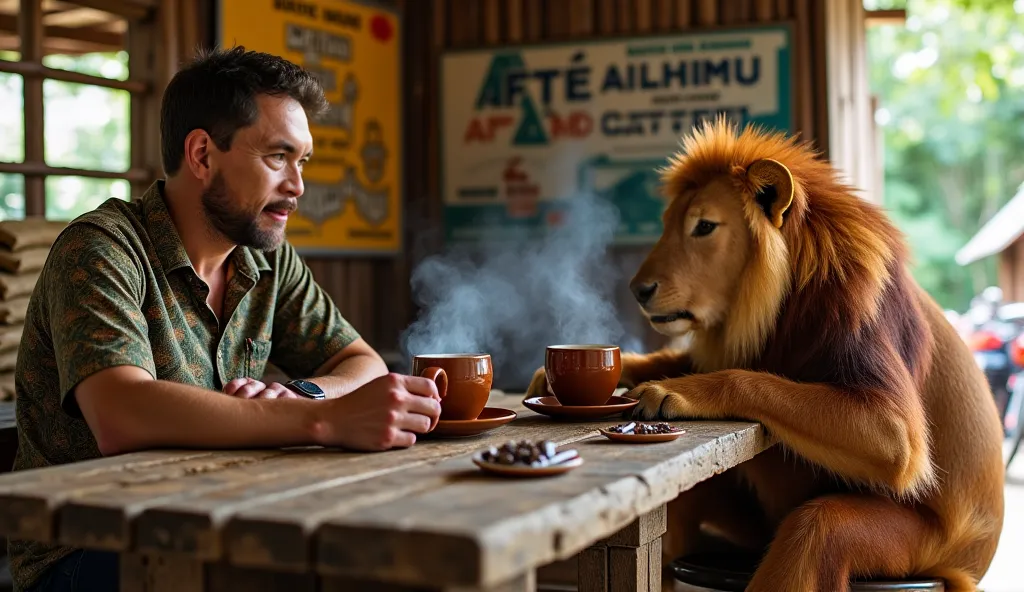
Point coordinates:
[(293, 185)]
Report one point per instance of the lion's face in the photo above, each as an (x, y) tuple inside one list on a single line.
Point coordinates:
[(691, 276)]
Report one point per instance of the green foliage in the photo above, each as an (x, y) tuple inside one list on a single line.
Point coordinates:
[(86, 127), (951, 107)]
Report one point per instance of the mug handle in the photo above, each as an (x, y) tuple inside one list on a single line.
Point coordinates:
[(440, 378)]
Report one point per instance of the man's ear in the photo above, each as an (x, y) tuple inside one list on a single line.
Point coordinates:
[(776, 188), (197, 153)]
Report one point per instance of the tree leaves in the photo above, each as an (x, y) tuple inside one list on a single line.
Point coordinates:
[(951, 96)]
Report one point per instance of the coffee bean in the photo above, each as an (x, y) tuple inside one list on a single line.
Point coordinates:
[(643, 428), (525, 452)]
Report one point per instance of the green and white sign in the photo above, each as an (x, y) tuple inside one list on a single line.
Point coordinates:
[(526, 128)]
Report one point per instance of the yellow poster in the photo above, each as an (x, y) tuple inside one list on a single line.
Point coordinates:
[(353, 197)]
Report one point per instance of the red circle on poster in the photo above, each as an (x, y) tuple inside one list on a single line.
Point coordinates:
[(380, 28)]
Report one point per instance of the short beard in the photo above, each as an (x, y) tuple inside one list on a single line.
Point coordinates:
[(237, 225)]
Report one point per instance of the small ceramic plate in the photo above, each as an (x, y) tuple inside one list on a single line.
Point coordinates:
[(489, 419), (646, 438), (524, 471), (552, 408)]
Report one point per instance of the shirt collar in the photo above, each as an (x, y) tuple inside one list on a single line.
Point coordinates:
[(167, 242)]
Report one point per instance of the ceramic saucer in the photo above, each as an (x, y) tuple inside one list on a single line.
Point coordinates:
[(489, 418), (636, 438), (552, 408), (524, 471)]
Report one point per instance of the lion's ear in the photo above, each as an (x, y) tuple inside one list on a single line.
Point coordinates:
[(776, 183)]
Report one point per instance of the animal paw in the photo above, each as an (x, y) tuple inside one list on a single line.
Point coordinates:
[(538, 385), (658, 402)]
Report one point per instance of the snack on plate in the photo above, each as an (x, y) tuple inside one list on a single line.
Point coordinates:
[(526, 453), (643, 428)]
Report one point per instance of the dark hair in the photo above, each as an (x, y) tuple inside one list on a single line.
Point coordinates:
[(217, 91)]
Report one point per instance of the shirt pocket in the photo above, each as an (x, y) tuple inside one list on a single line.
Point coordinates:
[(257, 352)]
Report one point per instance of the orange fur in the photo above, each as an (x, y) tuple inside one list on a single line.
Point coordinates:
[(890, 461)]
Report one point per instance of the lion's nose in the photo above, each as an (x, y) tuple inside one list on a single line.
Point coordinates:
[(644, 292)]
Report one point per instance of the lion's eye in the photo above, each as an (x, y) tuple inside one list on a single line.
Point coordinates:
[(704, 228)]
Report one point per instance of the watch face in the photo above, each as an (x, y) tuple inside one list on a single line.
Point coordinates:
[(307, 388)]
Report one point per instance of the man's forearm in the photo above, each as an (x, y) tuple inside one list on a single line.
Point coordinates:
[(350, 374), (157, 413)]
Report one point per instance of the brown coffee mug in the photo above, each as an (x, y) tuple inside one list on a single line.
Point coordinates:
[(440, 379), (469, 378), (583, 375)]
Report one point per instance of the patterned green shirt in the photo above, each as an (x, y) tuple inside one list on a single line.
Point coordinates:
[(118, 289)]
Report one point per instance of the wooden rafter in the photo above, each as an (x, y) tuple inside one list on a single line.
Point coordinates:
[(112, 39), (39, 169), (874, 18), (35, 70)]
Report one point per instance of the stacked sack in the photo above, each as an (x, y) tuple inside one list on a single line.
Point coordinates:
[(24, 245)]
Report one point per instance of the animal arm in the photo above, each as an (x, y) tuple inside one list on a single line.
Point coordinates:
[(872, 437), (659, 365)]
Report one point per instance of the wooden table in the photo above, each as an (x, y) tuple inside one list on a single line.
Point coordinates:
[(423, 518)]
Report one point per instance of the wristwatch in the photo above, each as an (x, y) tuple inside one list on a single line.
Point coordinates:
[(306, 389)]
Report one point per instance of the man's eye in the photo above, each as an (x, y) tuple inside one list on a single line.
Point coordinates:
[(279, 157), (704, 228)]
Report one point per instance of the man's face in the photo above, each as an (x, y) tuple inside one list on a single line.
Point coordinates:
[(256, 184)]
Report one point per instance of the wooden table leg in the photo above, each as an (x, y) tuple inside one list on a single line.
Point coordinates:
[(628, 561), (160, 572)]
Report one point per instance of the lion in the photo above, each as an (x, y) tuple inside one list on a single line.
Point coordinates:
[(803, 316)]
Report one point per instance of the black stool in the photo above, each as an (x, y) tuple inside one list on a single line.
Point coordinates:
[(732, 572)]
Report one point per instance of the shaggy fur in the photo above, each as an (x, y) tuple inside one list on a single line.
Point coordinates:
[(890, 460)]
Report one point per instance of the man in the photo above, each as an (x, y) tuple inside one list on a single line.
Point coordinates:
[(152, 321)]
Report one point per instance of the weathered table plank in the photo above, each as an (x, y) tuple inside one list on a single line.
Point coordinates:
[(423, 516), (297, 504), (499, 527), (29, 500)]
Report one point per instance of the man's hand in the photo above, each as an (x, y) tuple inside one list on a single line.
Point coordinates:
[(250, 388), (385, 413)]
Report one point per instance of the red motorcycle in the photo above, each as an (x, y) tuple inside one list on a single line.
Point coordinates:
[(1013, 419), (990, 345)]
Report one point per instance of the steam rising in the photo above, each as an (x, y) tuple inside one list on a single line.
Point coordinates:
[(512, 298)]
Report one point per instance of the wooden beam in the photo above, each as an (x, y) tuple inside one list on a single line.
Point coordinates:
[(896, 16), (37, 71), (9, 24), (37, 169), (129, 9)]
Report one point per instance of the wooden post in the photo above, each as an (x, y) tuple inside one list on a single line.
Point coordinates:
[(684, 14), (30, 26)]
